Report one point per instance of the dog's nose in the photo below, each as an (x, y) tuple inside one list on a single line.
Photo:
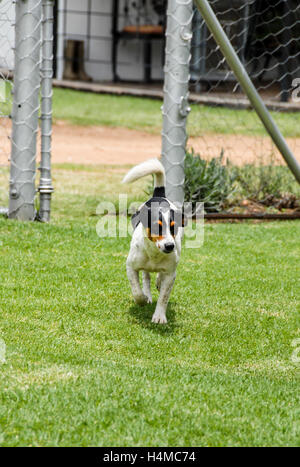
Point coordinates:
[(169, 247)]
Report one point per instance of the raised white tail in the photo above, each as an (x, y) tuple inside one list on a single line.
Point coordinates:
[(152, 166)]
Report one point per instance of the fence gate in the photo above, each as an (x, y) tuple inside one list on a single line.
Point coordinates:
[(26, 55)]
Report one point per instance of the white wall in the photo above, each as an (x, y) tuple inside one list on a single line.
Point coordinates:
[(130, 57)]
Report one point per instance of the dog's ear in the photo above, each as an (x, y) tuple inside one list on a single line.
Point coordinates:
[(135, 220)]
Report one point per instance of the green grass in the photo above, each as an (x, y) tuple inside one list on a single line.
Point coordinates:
[(85, 366), (84, 108)]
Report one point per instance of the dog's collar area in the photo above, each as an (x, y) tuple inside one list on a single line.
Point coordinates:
[(159, 192), (158, 202)]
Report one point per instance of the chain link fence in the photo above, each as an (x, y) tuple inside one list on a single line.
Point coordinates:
[(266, 36), (175, 107), (124, 41), (241, 62), (7, 38), (26, 55), (26, 105)]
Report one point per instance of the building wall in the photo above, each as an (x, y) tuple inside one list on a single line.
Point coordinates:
[(76, 23)]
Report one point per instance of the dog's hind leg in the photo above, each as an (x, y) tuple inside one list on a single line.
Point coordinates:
[(139, 297), (147, 286), (167, 282)]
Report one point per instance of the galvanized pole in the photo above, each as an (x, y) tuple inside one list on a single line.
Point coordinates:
[(45, 187), (60, 39), (175, 107), (247, 85), (25, 109)]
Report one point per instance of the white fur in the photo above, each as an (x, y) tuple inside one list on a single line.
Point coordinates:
[(148, 256), (152, 166)]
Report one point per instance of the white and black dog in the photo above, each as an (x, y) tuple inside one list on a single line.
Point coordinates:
[(156, 241)]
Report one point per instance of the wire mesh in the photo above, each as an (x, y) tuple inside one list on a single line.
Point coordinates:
[(175, 108), (45, 185), (26, 107), (265, 34), (26, 55), (266, 37), (7, 38), (110, 40)]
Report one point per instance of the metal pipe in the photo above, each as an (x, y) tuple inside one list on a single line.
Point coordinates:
[(247, 85), (175, 107), (45, 188), (25, 109), (60, 39)]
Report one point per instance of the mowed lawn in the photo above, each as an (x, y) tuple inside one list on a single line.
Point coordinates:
[(85, 108), (85, 366)]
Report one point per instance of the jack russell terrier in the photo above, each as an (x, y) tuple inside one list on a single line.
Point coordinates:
[(156, 241)]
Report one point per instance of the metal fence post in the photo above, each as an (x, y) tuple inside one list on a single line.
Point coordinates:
[(247, 85), (25, 109), (45, 187), (175, 107)]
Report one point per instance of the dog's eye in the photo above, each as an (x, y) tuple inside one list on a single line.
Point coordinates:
[(173, 228), (157, 228)]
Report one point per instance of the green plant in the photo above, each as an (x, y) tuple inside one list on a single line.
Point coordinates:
[(266, 184), (210, 182), (220, 185)]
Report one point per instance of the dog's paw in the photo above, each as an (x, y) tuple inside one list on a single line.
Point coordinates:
[(141, 299), (149, 299), (159, 319)]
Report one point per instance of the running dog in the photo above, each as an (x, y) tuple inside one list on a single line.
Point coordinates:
[(156, 241)]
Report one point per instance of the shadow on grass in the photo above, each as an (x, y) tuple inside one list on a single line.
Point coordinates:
[(143, 315)]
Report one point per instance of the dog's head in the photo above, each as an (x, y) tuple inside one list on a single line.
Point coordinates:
[(162, 222)]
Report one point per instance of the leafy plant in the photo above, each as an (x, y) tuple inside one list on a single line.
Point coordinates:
[(210, 182), (267, 184), (219, 185)]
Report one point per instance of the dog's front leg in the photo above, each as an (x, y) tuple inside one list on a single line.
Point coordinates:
[(158, 281), (147, 286), (167, 282), (138, 295)]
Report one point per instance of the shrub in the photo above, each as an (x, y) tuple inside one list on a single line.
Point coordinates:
[(210, 182), (267, 184), (220, 185)]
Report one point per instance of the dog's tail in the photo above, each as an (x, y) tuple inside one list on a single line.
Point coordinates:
[(152, 166)]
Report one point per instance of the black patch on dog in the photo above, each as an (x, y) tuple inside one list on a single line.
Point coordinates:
[(151, 213), (159, 192)]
